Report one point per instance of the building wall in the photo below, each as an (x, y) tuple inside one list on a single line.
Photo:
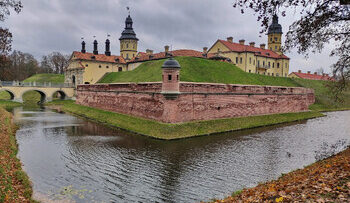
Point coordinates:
[(248, 61), (92, 72), (197, 101)]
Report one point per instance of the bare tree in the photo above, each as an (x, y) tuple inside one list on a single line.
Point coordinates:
[(321, 22), (55, 62)]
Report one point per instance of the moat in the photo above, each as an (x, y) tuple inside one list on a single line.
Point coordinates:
[(73, 159)]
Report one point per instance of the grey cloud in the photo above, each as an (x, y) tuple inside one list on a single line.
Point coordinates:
[(57, 25)]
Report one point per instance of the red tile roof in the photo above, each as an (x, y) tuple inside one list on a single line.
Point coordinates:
[(98, 57), (142, 56), (236, 47), (313, 76)]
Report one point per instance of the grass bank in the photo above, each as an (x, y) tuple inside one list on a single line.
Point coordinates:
[(46, 77), (14, 183), (176, 131), (324, 181)]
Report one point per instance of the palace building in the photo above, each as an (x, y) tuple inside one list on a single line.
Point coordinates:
[(89, 68), (268, 61)]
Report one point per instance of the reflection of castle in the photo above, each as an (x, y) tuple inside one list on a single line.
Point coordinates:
[(89, 68)]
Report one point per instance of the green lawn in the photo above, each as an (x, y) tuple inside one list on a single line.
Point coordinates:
[(46, 77), (176, 131), (197, 70)]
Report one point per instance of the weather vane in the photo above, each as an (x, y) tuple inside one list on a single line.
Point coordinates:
[(94, 36), (128, 8), (82, 38), (108, 35)]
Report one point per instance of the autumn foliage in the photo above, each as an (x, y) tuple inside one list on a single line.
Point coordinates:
[(324, 181)]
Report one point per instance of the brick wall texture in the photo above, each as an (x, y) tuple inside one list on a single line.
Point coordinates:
[(197, 101)]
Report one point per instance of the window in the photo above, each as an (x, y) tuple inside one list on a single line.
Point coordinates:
[(169, 77), (268, 74), (134, 46), (127, 56), (240, 60), (269, 64), (133, 55), (253, 62), (127, 45), (236, 60), (278, 65), (271, 39), (177, 77), (286, 65), (264, 73), (275, 48), (273, 65), (258, 63), (107, 66), (277, 74), (250, 71), (264, 64), (250, 60), (120, 69), (276, 39), (272, 74), (100, 66), (87, 65)]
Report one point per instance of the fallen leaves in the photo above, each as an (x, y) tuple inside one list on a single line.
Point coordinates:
[(324, 181)]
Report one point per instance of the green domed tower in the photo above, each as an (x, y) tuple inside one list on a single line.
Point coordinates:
[(128, 41)]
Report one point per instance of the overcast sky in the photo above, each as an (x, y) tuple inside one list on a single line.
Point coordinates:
[(45, 26)]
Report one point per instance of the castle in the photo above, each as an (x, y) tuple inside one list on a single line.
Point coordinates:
[(89, 68)]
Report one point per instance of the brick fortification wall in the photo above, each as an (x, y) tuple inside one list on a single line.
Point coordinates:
[(197, 101)]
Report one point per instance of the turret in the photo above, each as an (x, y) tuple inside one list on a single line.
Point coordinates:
[(108, 48), (275, 35), (171, 78), (83, 50), (95, 47), (128, 41)]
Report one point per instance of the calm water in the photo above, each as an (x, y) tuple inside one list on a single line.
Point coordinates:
[(70, 158)]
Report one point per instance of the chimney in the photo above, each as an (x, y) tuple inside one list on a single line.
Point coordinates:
[(241, 41), (315, 73), (299, 71), (252, 44), (309, 72), (230, 39), (83, 47), (205, 50), (262, 46), (95, 47), (108, 48), (149, 51)]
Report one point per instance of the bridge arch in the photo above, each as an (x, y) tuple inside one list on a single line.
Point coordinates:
[(12, 95), (43, 96), (62, 94)]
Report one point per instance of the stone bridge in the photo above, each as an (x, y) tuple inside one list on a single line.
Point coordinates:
[(47, 90)]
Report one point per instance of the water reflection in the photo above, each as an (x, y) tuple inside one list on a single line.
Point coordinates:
[(60, 150)]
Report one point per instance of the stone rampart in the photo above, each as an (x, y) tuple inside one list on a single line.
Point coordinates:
[(196, 101)]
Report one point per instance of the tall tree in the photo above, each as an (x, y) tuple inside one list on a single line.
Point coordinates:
[(5, 34), (320, 22), (55, 62)]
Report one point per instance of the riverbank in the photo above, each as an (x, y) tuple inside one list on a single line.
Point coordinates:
[(176, 131), (14, 183), (324, 181)]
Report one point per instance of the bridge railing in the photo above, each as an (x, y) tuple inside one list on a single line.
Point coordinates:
[(34, 84)]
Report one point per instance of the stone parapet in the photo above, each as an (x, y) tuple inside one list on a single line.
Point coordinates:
[(196, 101)]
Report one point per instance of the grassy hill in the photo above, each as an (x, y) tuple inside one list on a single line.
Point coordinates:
[(197, 70), (46, 77), (202, 70)]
